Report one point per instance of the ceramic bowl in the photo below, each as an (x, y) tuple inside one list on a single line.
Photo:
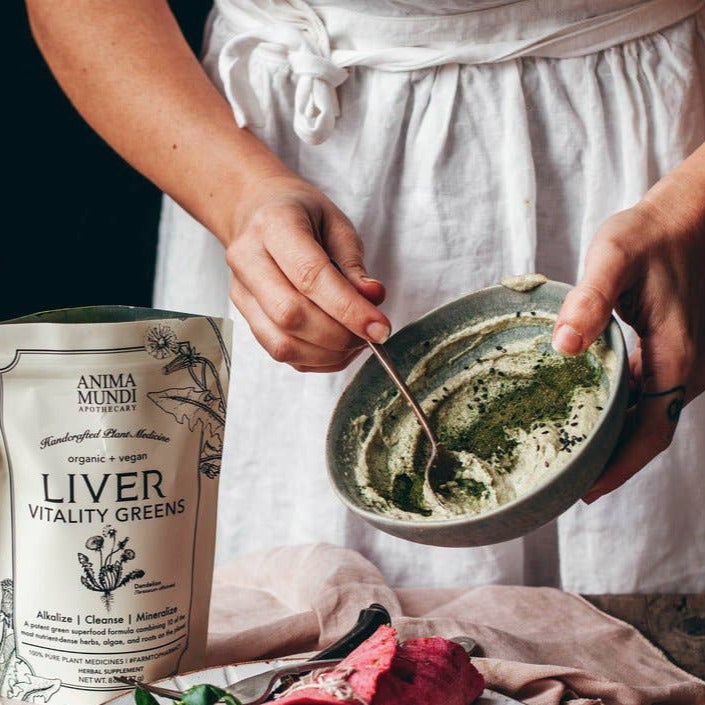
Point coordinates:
[(520, 516)]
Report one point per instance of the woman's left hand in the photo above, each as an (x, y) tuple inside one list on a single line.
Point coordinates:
[(648, 264)]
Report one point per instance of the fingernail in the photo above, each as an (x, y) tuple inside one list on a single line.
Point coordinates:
[(372, 280), (590, 497), (377, 332), (567, 341)]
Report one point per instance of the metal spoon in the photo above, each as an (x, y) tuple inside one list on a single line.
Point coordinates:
[(441, 464), (248, 691)]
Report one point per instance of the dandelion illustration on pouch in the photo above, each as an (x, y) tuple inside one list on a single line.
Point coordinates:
[(111, 573), (201, 404)]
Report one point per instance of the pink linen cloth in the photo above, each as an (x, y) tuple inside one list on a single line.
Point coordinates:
[(541, 646)]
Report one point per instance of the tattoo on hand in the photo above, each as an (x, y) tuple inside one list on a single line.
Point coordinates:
[(673, 411)]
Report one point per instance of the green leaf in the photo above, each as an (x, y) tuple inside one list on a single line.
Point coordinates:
[(207, 695), (142, 697)]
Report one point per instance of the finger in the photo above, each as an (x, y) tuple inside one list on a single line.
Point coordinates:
[(635, 368), (635, 376), (280, 345), (288, 309), (345, 246), (308, 267), (666, 365), (330, 368), (586, 311)]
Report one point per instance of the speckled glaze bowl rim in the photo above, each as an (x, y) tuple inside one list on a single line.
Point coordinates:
[(616, 343)]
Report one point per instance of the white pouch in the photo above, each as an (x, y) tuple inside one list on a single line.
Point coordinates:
[(111, 430)]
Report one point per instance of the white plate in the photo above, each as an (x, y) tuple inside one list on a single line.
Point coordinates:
[(221, 677)]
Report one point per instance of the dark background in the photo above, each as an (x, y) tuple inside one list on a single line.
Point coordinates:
[(82, 224)]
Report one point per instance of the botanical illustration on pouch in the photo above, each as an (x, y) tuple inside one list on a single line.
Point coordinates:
[(200, 405), (111, 574), (17, 679)]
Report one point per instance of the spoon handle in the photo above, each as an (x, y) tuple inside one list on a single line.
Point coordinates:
[(369, 620), (384, 360), (156, 690), (391, 370)]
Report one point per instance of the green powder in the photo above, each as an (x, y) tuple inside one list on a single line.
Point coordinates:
[(472, 488), (407, 494), (528, 401), (545, 396)]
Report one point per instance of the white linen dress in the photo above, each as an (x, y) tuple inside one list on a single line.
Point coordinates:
[(465, 140)]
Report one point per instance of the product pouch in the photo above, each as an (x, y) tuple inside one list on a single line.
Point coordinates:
[(111, 434)]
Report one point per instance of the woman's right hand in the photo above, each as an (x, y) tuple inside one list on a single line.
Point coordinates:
[(162, 113), (300, 308)]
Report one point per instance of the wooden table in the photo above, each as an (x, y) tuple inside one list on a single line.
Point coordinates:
[(674, 623)]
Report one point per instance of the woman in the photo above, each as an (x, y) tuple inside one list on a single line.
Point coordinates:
[(462, 142)]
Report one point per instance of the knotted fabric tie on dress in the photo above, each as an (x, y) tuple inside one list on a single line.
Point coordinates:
[(316, 100), (302, 40), (292, 30)]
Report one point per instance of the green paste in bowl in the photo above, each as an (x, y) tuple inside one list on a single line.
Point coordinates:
[(513, 416)]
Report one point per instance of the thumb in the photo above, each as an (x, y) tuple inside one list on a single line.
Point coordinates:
[(345, 248), (587, 308)]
